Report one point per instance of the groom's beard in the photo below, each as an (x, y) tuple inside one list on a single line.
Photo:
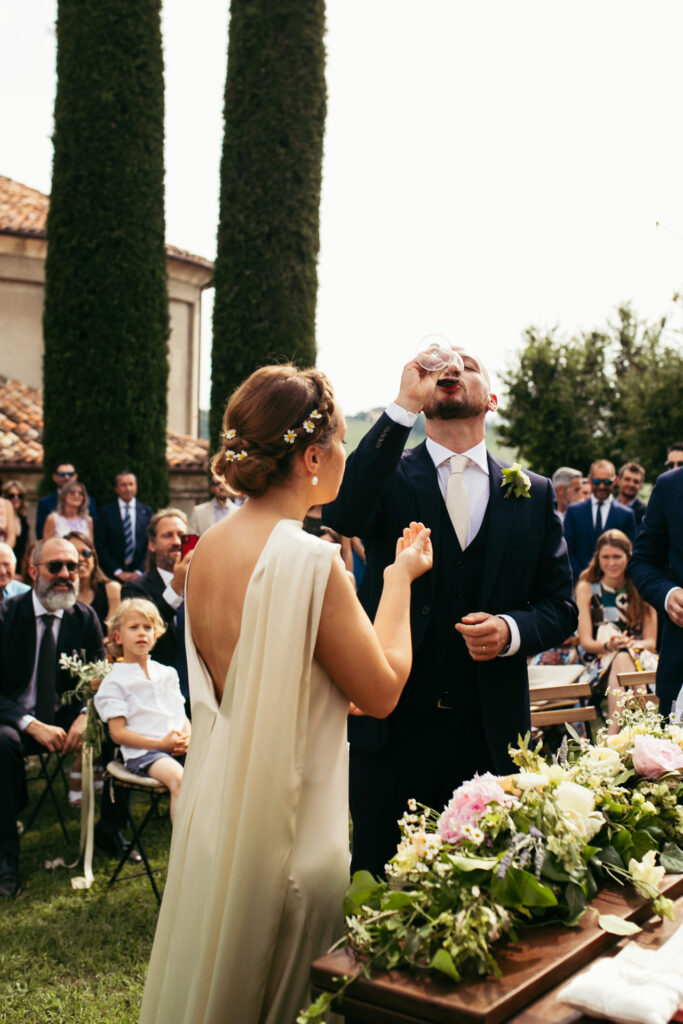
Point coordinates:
[(455, 407)]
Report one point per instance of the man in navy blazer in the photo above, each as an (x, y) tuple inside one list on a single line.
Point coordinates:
[(488, 602), (584, 521), (110, 538), (657, 571), (76, 628)]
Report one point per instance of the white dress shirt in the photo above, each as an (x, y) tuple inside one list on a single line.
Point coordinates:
[(151, 707), (170, 596), (476, 477), (606, 505)]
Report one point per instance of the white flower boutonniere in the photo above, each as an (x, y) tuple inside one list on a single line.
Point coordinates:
[(516, 481)]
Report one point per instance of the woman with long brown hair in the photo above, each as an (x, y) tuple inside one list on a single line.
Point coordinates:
[(615, 624)]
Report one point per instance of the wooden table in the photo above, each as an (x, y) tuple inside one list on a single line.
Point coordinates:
[(533, 971)]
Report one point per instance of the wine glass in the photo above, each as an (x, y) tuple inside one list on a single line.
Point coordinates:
[(435, 353)]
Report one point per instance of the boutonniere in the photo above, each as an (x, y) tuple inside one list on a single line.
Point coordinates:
[(516, 481)]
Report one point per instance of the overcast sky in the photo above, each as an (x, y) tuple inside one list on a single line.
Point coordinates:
[(488, 165)]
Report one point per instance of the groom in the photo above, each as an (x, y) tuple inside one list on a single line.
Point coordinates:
[(500, 590)]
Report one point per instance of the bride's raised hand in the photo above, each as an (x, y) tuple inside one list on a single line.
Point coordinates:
[(414, 550)]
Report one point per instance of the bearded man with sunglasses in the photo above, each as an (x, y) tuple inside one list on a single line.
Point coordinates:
[(586, 520), (35, 629)]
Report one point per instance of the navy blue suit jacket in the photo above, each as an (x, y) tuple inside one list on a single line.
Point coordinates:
[(79, 631), (49, 504), (526, 572), (656, 567), (580, 532), (110, 542)]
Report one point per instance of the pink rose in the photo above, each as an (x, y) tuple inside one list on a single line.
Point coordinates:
[(468, 803), (653, 757)]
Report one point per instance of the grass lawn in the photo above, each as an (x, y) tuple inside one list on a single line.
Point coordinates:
[(70, 955)]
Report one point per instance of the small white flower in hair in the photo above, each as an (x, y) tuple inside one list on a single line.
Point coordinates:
[(308, 426), (230, 456), (242, 455), (315, 415), (229, 434), (289, 437)]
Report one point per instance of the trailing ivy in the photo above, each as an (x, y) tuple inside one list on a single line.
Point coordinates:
[(106, 309), (268, 234)]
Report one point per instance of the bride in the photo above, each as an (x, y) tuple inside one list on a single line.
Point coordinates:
[(278, 646)]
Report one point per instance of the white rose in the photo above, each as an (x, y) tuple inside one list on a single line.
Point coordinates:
[(603, 760), (645, 874), (573, 797)]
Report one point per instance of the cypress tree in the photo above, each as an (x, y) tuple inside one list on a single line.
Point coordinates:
[(268, 234), (106, 311)]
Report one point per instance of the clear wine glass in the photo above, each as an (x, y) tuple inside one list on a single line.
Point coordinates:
[(435, 353)]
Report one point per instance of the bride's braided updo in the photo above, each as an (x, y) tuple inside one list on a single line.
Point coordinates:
[(275, 413)]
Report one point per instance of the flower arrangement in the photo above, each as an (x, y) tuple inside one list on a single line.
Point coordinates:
[(529, 848), (88, 676)]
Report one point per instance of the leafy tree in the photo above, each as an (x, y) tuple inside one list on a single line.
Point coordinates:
[(106, 310), (268, 234), (610, 393)]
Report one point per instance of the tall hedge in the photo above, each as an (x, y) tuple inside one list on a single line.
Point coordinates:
[(268, 235), (106, 312)]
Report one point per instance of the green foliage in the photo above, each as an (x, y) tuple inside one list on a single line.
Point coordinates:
[(602, 394), (268, 234), (106, 312)]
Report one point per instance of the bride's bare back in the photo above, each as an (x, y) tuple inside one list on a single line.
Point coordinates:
[(222, 565)]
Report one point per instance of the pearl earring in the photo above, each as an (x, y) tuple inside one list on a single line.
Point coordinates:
[(314, 481)]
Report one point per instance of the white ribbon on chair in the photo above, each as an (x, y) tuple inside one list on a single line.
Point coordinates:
[(87, 822)]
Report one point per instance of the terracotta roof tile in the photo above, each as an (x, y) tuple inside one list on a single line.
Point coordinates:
[(23, 211), (21, 433)]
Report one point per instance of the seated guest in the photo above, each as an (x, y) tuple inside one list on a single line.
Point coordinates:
[(95, 589), (9, 587), (15, 494), (164, 583), (630, 480), (224, 501), (587, 520), (567, 483), (64, 473), (35, 629), (72, 513), (615, 624), (121, 531), (8, 528), (141, 701)]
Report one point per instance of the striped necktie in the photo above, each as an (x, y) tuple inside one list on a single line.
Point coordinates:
[(129, 543)]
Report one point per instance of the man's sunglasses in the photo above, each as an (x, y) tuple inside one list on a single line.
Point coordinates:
[(56, 565), (607, 481), (674, 465), (70, 473)]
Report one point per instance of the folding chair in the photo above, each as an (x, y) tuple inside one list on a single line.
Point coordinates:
[(637, 679), (556, 693), (51, 770), (154, 790)]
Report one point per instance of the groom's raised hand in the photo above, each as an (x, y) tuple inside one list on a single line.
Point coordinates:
[(417, 384), (486, 635)]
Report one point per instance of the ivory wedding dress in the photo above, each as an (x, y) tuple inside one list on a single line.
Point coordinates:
[(259, 858)]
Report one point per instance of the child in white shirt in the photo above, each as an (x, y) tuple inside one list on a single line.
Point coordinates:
[(141, 699)]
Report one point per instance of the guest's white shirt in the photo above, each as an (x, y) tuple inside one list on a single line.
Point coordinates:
[(606, 505), (151, 707), (170, 596), (476, 477)]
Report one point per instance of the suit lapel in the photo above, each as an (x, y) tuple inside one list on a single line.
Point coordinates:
[(421, 472), (501, 515), (27, 636)]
